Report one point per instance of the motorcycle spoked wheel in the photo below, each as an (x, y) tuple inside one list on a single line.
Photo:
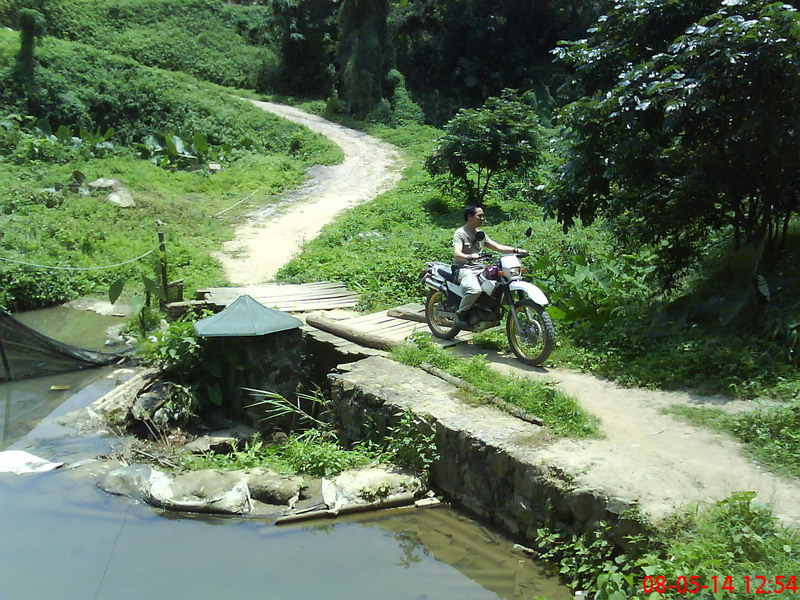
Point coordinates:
[(441, 327), (534, 340)]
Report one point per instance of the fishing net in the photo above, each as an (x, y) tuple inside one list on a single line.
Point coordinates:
[(24, 352)]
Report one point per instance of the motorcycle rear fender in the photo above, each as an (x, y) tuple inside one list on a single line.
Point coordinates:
[(533, 292)]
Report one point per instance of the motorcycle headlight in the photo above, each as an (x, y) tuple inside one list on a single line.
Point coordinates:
[(514, 271)]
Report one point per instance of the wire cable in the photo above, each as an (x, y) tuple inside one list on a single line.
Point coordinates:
[(21, 262)]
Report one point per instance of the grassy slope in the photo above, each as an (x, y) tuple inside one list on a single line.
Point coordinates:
[(70, 229)]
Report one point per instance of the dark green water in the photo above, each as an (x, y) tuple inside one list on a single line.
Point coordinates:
[(77, 327), (61, 538)]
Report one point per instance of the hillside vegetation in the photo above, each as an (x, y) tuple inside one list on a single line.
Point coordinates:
[(103, 115)]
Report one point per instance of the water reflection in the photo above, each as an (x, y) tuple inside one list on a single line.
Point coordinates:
[(26, 402), (63, 538), (82, 328)]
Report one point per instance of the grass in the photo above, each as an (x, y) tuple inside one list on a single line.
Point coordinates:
[(560, 412), (311, 453), (770, 435)]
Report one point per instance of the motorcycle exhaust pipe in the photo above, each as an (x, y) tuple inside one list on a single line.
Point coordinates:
[(432, 283)]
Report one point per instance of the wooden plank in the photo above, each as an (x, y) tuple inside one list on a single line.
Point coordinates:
[(308, 306), (413, 311), (360, 337), (366, 318), (390, 327)]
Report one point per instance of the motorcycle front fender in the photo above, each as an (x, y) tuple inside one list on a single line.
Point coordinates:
[(533, 292)]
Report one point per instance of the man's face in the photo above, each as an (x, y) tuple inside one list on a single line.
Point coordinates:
[(477, 219)]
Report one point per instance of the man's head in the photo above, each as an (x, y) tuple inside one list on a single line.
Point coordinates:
[(473, 215)]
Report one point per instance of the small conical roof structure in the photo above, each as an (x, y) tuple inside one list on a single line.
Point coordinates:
[(244, 318)]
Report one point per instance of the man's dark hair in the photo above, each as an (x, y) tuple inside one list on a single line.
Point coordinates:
[(469, 211)]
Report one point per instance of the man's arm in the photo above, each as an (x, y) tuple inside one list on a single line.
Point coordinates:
[(492, 245)]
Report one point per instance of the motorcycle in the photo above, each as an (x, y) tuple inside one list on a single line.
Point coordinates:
[(529, 328)]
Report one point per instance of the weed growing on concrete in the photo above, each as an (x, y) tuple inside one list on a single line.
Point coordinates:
[(410, 443), (559, 411)]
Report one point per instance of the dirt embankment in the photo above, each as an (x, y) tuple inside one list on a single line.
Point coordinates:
[(656, 459)]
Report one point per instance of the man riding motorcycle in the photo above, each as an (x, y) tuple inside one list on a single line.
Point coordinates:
[(468, 241)]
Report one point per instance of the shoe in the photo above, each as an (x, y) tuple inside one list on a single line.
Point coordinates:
[(460, 321)]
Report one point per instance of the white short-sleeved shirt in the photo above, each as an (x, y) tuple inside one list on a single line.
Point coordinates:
[(467, 244)]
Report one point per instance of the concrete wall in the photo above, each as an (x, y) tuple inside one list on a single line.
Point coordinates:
[(489, 463)]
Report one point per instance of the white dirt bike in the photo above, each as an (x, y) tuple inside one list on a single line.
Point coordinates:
[(528, 326)]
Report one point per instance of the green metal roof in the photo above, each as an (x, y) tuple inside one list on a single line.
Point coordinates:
[(246, 317)]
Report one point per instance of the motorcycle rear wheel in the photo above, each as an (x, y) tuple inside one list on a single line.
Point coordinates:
[(441, 327), (534, 340)]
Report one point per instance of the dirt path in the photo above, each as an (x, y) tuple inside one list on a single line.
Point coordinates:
[(654, 458), (273, 235)]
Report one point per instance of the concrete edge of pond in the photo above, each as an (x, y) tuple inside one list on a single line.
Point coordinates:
[(488, 462)]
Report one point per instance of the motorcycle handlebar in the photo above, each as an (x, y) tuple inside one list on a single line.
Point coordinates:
[(488, 255)]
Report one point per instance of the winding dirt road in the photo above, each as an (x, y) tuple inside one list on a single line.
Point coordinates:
[(273, 235)]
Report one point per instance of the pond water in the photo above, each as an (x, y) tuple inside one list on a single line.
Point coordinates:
[(63, 538), (82, 328)]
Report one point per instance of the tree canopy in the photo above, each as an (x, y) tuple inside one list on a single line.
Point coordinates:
[(503, 136), (690, 125)]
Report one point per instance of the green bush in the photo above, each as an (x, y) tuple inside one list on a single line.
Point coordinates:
[(734, 537)]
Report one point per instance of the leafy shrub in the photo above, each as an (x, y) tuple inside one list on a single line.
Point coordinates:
[(734, 536), (410, 443)]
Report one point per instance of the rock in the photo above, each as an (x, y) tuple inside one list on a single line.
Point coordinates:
[(106, 184), (272, 488), (122, 198), (241, 433), (214, 167), (370, 484), (208, 443), (132, 481), (216, 492), (278, 438)]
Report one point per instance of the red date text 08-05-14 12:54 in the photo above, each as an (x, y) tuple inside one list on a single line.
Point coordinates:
[(693, 584)]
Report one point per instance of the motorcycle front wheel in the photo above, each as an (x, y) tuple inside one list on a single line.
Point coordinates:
[(441, 326), (533, 341)]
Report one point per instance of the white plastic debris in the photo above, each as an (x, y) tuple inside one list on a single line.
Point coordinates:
[(19, 462)]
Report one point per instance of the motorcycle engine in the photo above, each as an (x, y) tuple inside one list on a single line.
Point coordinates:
[(484, 314)]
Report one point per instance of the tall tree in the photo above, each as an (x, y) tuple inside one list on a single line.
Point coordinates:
[(690, 125), (307, 32), (365, 54), (457, 53)]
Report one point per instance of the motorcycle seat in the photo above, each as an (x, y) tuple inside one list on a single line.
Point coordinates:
[(447, 275)]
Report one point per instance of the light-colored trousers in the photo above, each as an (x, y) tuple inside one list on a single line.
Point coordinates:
[(468, 279)]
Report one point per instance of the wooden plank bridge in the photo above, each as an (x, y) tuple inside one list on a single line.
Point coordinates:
[(380, 330)]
